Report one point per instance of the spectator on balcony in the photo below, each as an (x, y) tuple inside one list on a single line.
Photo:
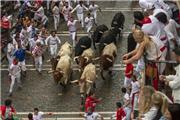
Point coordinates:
[(173, 81), (7, 108), (90, 115)]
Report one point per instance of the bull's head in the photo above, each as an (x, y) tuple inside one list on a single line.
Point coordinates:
[(83, 61), (58, 74), (106, 62)]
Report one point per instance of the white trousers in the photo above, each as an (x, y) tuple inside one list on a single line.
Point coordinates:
[(94, 14), (23, 65), (38, 63), (10, 59), (53, 50), (73, 37), (56, 21), (13, 78), (127, 82), (81, 19)]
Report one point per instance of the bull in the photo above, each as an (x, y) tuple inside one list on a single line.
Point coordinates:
[(83, 43), (97, 34), (118, 23), (86, 57), (66, 49), (62, 72), (87, 79), (107, 38), (107, 58)]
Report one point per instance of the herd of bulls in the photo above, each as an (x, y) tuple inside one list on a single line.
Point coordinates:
[(85, 56)]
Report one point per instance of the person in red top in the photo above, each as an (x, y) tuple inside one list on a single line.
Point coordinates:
[(6, 109), (120, 113), (128, 75), (91, 101)]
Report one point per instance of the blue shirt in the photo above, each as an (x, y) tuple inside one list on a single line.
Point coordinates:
[(20, 54)]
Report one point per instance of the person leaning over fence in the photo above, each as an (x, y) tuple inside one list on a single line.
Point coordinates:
[(173, 81), (151, 48), (6, 109)]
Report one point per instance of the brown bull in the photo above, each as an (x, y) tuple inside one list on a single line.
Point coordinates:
[(107, 57), (85, 58), (87, 79)]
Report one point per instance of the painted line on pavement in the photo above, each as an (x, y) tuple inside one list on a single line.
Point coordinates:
[(64, 113), (47, 69), (78, 118), (30, 65)]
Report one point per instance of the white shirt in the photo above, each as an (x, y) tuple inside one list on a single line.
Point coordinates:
[(158, 4), (94, 8), (89, 21), (155, 28), (40, 11), (39, 116), (14, 69), (56, 10), (135, 87), (52, 40), (150, 114), (72, 25), (10, 49), (175, 84), (79, 9), (93, 116), (171, 30), (67, 10)]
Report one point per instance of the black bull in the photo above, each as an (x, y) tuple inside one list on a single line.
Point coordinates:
[(83, 44)]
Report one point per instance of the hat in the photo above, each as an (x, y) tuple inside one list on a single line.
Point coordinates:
[(177, 51)]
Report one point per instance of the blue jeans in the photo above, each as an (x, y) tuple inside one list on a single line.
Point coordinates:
[(128, 112)]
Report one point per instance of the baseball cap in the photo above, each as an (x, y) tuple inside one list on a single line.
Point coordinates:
[(177, 51)]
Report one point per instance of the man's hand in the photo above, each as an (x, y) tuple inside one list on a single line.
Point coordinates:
[(162, 78)]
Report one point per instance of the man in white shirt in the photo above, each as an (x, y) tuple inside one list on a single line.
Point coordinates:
[(173, 81), (72, 29), (10, 52), (37, 114), (52, 41), (89, 21), (92, 115), (15, 74), (39, 13), (56, 16), (93, 9), (158, 4), (80, 12), (66, 11), (37, 54)]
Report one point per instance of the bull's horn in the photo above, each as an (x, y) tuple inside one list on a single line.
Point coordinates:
[(109, 59), (48, 61), (61, 72), (51, 71), (120, 29), (97, 58), (89, 81), (76, 58), (75, 81), (83, 46), (100, 31), (87, 59), (105, 44)]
